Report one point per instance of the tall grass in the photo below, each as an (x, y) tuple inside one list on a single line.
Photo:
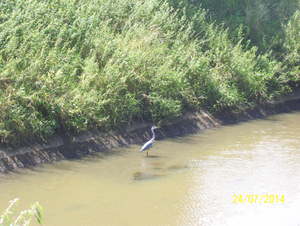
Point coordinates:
[(261, 20), (68, 66), (292, 47)]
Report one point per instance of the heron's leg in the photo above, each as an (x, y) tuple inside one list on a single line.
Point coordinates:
[(147, 152)]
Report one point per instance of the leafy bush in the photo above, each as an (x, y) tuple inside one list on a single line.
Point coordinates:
[(67, 66)]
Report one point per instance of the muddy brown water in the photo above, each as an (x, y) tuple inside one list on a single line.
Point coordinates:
[(190, 180)]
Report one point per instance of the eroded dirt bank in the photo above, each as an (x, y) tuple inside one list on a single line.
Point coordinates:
[(60, 147)]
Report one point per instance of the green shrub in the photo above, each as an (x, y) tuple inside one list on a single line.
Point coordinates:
[(68, 66)]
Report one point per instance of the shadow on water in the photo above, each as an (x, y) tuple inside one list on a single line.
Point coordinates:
[(178, 166), (145, 176), (161, 167), (152, 156)]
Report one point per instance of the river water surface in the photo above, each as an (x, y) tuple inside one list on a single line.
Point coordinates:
[(190, 180)]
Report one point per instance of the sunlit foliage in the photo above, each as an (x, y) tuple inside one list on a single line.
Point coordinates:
[(67, 66)]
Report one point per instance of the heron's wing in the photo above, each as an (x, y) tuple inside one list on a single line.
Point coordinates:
[(147, 145)]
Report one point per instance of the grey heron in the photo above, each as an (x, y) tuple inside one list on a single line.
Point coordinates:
[(149, 144)]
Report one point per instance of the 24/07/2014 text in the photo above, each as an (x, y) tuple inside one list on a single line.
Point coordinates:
[(258, 199)]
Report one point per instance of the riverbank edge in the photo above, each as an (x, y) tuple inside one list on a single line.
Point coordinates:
[(89, 142)]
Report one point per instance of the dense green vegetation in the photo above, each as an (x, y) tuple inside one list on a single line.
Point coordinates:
[(261, 20), (71, 65)]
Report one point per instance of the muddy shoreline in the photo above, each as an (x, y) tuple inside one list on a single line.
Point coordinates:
[(96, 141)]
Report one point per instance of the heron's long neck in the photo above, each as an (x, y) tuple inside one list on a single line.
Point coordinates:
[(153, 137)]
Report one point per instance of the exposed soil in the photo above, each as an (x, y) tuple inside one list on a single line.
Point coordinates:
[(96, 141)]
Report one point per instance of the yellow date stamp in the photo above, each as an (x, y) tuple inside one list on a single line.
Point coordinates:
[(258, 198)]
